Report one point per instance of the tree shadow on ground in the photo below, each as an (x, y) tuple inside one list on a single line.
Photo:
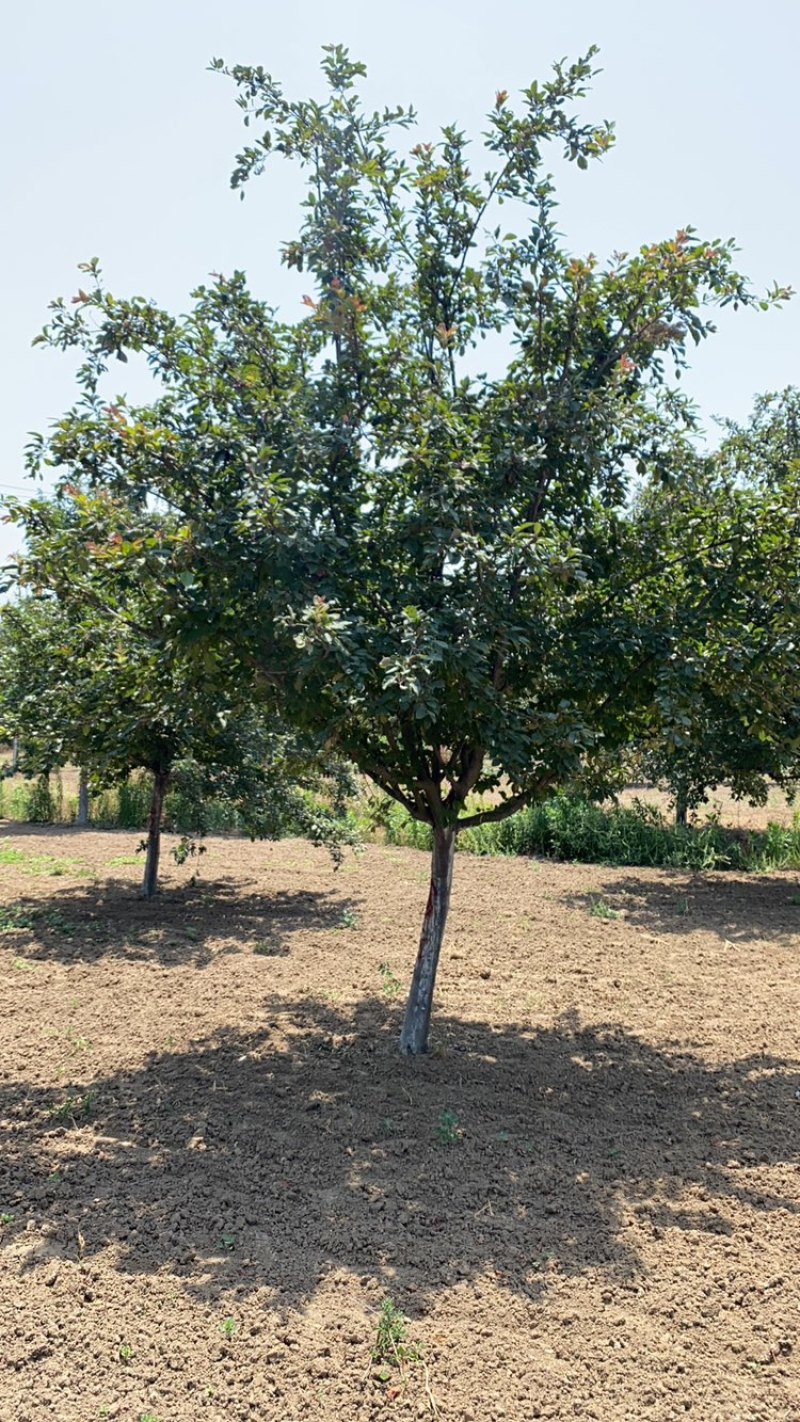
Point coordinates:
[(266, 1161), (736, 910), (106, 919)]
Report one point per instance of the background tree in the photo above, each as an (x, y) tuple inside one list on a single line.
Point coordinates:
[(728, 701), (88, 677), (428, 566)]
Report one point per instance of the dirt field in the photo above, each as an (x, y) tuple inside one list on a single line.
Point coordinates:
[(215, 1168)]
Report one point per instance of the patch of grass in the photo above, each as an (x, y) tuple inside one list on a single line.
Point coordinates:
[(56, 922), (76, 1040), (15, 919), (74, 1109), (390, 985), (11, 856), (569, 828), (598, 908), (448, 1130), (391, 1345), (268, 948), (229, 1328), (21, 965), (121, 859)]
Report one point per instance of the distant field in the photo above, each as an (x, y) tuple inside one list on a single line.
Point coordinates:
[(736, 813)]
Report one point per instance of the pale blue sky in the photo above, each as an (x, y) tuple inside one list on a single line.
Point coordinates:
[(118, 143)]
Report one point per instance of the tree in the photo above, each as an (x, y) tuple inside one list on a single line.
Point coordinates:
[(428, 566), (86, 676), (728, 702)]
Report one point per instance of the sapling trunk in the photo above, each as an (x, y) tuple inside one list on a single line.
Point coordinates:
[(150, 885), (681, 808), (82, 817), (417, 1020)]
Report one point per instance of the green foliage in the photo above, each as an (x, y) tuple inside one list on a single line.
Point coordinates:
[(448, 1131), (74, 1110), (568, 828), (391, 1345), (410, 542)]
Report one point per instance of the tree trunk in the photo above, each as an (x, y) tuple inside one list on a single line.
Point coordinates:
[(150, 885), (82, 817), (416, 1023), (15, 755), (681, 808)]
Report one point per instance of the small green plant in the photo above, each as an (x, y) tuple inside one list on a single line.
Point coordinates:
[(388, 1127), (229, 1328), (347, 919), (57, 923), (77, 1042), (6, 1218), (21, 965), (267, 948), (598, 908), (391, 1345), (11, 856), (448, 1130), (13, 918), (148, 1417), (125, 1352), (228, 1241), (74, 1109), (390, 985)]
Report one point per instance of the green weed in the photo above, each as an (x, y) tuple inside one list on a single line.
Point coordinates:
[(390, 1344), (570, 828), (347, 919), (125, 1352), (73, 1110), (267, 948), (14, 919), (448, 1130), (229, 1328), (598, 908), (390, 985)]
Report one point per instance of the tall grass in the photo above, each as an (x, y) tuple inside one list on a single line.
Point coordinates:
[(564, 827), (568, 828)]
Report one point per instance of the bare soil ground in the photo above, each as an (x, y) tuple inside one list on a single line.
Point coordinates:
[(215, 1168)]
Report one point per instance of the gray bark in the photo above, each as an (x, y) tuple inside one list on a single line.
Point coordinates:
[(150, 884), (416, 1023), (82, 817)]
